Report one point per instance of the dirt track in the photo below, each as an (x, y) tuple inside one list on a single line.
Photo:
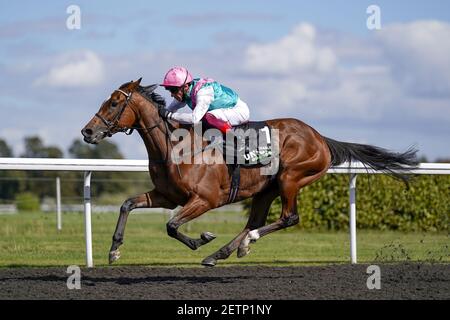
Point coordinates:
[(398, 281)]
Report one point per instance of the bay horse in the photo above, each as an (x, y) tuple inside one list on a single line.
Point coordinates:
[(304, 157)]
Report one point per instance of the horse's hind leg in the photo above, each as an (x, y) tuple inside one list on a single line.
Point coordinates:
[(145, 200), (258, 215), (195, 207), (289, 188)]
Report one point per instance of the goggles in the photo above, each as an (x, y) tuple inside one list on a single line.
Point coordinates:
[(173, 89)]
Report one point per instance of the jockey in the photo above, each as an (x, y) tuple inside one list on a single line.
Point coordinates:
[(218, 105)]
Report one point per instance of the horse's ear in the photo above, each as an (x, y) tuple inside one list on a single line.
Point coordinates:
[(134, 84)]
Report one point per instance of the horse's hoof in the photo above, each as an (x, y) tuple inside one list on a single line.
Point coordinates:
[(209, 262), (243, 251), (244, 247), (207, 236), (113, 256)]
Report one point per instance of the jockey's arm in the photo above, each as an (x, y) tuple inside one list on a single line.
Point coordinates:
[(204, 98), (175, 105)]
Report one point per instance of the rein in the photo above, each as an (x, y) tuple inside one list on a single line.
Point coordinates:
[(112, 127)]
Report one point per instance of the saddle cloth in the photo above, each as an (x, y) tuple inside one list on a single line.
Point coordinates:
[(248, 144)]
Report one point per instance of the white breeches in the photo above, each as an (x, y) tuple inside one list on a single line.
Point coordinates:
[(237, 115)]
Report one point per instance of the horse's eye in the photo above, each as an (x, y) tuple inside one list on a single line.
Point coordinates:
[(114, 104)]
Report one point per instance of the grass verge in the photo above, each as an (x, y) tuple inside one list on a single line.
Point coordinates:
[(31, 239)]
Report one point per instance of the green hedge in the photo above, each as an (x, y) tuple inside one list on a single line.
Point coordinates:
[(382, 203), (27, 201)]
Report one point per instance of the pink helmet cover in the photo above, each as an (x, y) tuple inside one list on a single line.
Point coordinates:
[(176, 77)]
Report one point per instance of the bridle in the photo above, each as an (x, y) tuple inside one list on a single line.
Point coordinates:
[(112, 126)]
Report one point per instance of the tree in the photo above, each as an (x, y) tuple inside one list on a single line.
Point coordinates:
[(107, 150), (80, 150), (107, 181), (53, 152), (5, 150), (422, 159), (11, 182), (40, 182), (102, 150), (34, 148)]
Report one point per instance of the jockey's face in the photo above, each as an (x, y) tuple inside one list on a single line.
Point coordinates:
[(178, 92)]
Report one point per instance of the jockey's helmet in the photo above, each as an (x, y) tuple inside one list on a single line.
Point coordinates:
[(176, 77)]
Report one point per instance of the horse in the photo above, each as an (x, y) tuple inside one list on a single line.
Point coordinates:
[(304, 157)]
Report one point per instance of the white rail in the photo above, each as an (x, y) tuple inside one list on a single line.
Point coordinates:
[(89, 165)]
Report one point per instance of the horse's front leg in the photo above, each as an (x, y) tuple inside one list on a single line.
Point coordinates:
[(151, 199), (258, 216), (195, 207)]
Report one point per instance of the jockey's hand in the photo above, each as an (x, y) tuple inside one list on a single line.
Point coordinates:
[(164, 113)]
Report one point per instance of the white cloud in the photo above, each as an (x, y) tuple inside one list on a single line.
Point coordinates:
[(347, 87), (353, 95), (76, 69), (419, 55), (404, 68), (316, 78), (296, 52)]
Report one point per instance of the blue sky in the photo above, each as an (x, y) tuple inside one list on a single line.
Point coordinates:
[(315, 61)]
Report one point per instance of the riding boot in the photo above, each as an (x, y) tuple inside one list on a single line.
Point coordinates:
[(217, 123)]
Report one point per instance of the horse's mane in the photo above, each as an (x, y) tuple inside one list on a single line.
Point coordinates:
[(149, 93)]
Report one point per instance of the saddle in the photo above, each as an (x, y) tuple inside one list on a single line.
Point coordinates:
[(247, 145)]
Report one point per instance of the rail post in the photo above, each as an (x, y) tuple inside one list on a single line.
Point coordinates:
[(58, 204), (353, 217), (87, 218)]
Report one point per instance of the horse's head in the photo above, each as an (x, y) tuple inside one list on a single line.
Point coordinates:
[(115, 114)]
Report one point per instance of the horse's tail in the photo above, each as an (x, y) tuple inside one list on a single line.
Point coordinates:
[(375, 157)]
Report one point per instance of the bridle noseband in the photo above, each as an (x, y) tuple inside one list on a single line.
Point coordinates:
[(112, 126)]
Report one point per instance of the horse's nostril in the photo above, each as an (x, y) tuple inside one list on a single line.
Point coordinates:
[(87, 132)]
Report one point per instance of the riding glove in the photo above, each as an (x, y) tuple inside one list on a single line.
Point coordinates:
[(164, 113)]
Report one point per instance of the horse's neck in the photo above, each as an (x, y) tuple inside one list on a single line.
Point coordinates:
[(157, 140), (154, 138)]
